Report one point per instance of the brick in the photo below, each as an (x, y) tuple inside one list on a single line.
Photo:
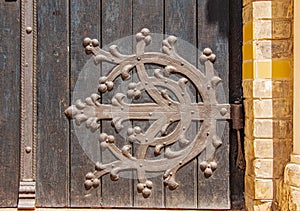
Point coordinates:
[(248, 88), (262, 9), (260, 168), (282, 9), (248, 107), (283, 129), (282, 88), (268, 128), (261, 189), (272, 49), (282, 148), (282, 108), (282, 48), (246, 2), (279, 166), (291, 176), (281, 29), (264, 205), (249, 128), (263, 108), (263, 148), (263, 128), (262, 29), (268, 148), (262, 88), (247, 13), (269, 108), (262, 49), (294, 203)]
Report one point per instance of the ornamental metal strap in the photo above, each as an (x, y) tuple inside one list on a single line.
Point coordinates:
[(161, 87), (28, 104)]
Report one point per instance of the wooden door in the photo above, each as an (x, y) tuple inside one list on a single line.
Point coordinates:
[(62, 161)]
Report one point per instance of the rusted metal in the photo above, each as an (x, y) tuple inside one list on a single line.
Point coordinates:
[(28, 105), (237, 116), (163, 112)]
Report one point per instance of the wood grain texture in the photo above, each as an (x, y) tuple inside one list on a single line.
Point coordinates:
[(53, 98), (149, 14), (62, 160), (85, 21), (116, 24), (10, 102), (180, 21), (213, 25)]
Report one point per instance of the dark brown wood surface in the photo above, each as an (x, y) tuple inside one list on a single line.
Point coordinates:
[(148, 14), (116, 24), (62, 158), (180, 20), (62, 161), (213, 21), (82, 24), (53, 98), (10, 102)]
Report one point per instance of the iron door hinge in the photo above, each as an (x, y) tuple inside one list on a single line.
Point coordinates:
[(237, 118)]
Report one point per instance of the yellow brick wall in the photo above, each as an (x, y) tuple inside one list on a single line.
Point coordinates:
[(267, 84)]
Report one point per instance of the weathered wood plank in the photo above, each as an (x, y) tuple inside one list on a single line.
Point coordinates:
[(10, 102), (53, 99), (85, 21), (213, 25), (180, 20), (149, 14), (116, 24)]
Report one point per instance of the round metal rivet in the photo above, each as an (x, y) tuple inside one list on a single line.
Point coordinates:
[(27, 149), (150, 114), (223, 111), (139, 58), (28, 30), (192, 112)]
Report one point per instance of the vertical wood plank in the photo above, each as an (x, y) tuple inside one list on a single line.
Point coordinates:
[(116, 24), (213, 25), (10, 103), (235, 93), (180, 20), (85, 21), (53, 99), (149, 14)]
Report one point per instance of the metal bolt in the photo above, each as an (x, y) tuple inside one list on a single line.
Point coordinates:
[(27, 149), (28, 30), (223, 111)]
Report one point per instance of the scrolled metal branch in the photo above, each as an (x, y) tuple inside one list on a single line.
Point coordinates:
[(180, 110)]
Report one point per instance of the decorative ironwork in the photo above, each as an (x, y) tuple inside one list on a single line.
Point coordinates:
[(179, 109), (28, 104)]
